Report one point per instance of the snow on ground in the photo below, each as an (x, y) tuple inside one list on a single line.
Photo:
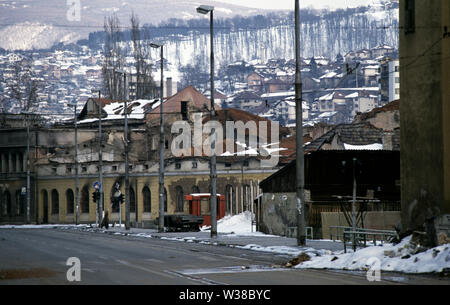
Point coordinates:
[(39, 226), (399, 258), (239, 224)]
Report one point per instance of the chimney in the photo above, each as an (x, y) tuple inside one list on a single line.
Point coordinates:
[(169, 86)]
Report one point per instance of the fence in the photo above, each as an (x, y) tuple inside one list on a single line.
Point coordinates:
[(360, 236)]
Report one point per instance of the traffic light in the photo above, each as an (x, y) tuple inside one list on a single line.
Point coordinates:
[(96, 196), (121, 199)]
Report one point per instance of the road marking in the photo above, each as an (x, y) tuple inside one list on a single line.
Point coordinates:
[(195, 279), (210, 259), (143, 268), (154, 260)]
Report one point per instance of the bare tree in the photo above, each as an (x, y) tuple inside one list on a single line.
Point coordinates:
[(145, 86), (24, 85), (113, 58)]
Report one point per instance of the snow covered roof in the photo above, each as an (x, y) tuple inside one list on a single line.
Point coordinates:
[(352, 95), (327, 97), (374, 146)]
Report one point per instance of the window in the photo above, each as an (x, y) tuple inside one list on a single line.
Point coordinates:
[(184, 110), (397, 80), (146, 195), (246, 163), (6, 210), (179, 199), (178, 165), (84, 199), (195, 189), (55, 202), (84, 169), (132, 201), (410, 23), (70, 201), (194, 164), (114, 168), (227, 164), (165, 200), (68, 170)]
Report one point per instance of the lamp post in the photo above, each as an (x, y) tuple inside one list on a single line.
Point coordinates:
[(300, 158), (161, 142), (77, 191), (100, 158), (205, 9), (127, 172)]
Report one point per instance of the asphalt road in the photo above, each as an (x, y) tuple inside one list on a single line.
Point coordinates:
[(39, 256)]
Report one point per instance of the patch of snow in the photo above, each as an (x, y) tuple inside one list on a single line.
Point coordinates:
[(239, 224), (397, 258)]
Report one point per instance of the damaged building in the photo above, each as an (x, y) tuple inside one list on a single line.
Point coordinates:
[(53, 163)]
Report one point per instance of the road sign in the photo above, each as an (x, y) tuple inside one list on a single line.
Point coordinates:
[(96, 185)]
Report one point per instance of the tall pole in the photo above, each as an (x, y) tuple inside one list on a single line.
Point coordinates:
[(213, 137), (28, 170), (100, 158), (127, 173), (161, 148), (77, 190), (354, 197), (300, 158)]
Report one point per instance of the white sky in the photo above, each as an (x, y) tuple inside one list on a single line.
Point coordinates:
[(290, 4)]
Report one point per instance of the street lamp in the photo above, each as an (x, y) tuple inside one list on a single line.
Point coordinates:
[(161, 142), (100, 158), (127, 174), (77, 198), (205, 9)]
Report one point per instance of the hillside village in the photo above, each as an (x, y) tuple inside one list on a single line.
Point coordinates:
[(334, 90)]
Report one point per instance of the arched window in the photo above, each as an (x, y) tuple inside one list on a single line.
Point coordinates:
[(7, 203), (179, 199), (132, 201), (84, 199), (70, 199), (165, 200), (229, 198), (45, 206), (114, 208), (19, 203), (195, 189), (146, 195), (55, 202)]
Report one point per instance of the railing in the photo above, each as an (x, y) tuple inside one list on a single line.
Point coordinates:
[(360, 236)]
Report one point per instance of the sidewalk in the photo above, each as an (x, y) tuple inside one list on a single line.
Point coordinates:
[(254, 241)]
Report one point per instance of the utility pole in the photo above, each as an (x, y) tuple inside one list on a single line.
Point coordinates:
[(205, 9), (28, 168), (100, 160), (127, 168), (77, 190), (300, 158), (161, 143), (354, 204)]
